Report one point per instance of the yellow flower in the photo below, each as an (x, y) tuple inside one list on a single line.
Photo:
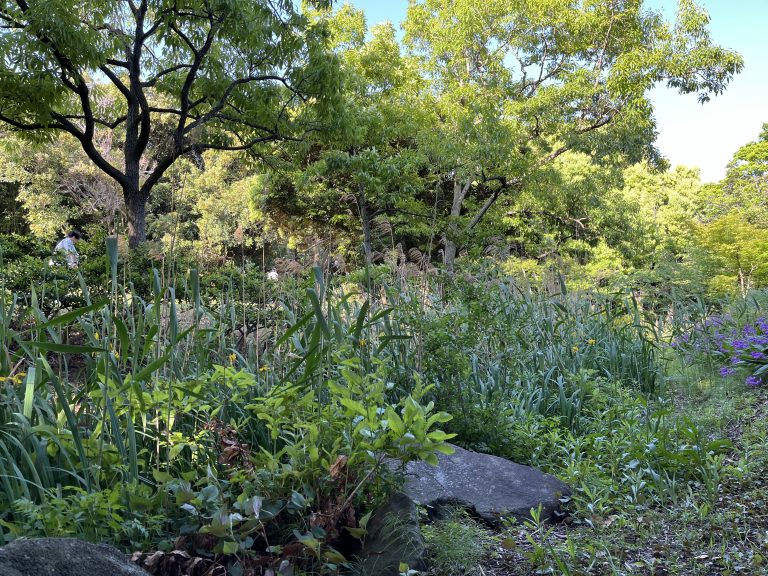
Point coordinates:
[(232, 358), (591, 341), (97, 336), (363, 342), (264, 368), (574, 349), (117, 355)]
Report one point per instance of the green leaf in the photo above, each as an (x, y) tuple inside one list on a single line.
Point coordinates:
[(354, 405), (358, 533), (161, 477), (430, 458), (446, 449), (149, 369), (74, 429), (293, 329), (361, 319), (29, 392), (318, 312), (122, 335), (63, 348), (67, 317)]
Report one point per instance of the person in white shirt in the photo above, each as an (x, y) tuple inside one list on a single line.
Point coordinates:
[(67, 245)]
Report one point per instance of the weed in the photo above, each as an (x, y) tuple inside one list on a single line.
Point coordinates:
[(456, 544)]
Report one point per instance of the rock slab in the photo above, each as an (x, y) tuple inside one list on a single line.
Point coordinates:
[(64, 557), (393, 538), (487, 485)]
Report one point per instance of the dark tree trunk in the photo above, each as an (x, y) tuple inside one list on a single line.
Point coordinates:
[(136, 213)]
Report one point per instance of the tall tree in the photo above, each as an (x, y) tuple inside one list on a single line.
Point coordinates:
[(363, 178), (745, 186), (735, 253), (190, 75), (517, 83)]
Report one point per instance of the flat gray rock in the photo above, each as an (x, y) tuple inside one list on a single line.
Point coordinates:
[(64, 557), (393, 538), (487, 485)]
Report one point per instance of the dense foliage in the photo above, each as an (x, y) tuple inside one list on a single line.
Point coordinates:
[(359, 247)]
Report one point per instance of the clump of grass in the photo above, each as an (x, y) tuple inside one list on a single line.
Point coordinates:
[(456, 544)]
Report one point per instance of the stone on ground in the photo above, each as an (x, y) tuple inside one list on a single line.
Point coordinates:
[(64, 557), (488, 486), (393, 539)]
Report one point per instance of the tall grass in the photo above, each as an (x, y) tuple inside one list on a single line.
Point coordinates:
[(138, 390), (129, 411), (498, 354)]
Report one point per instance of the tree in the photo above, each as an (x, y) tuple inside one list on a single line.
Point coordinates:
[(517, 83), (745, 186), (736, 253), (661, 209), (223, 196), (58, 185), (364, 176), (185, 76), (566, 210)]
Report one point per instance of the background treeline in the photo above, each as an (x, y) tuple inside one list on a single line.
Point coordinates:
[(422, 165)]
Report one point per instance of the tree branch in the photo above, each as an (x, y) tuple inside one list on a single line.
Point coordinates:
[(152, 81), (26, 126)]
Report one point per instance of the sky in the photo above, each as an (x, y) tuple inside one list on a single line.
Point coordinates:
[(691, 134)]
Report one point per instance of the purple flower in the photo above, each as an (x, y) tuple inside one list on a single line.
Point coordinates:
[(735, 360), (725, 371), (757, 355), (740, 344), (752, 381)]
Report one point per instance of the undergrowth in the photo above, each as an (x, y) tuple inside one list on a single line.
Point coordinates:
[(255, 432)]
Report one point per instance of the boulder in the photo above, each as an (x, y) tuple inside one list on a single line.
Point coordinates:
[(488, 486), (393, 538), (64, 557)]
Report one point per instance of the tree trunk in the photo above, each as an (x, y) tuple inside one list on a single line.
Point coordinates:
[(365, 220), (136, 214), (449, 255)]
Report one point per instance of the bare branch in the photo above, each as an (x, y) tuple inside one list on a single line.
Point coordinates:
[(101, 122), (29, 126), (244, 146), (119, 84), (152, 81)]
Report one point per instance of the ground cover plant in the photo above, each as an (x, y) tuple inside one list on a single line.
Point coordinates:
[(140, 421), (669, 483), (149, 422)]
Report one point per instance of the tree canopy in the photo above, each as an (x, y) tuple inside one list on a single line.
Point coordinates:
[(516, 84), (163, 78), (510, 126)]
